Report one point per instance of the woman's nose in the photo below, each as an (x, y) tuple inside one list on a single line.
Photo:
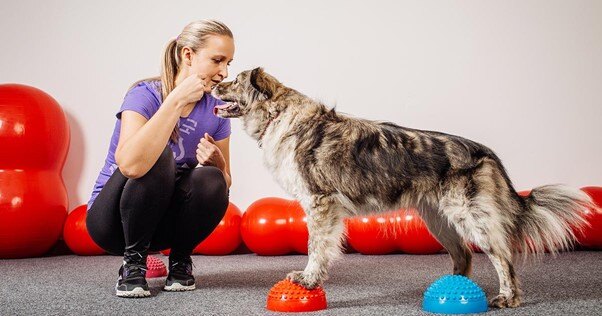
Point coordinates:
[(224, 72)]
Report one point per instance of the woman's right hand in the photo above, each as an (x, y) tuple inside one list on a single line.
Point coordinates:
[(190, 90)]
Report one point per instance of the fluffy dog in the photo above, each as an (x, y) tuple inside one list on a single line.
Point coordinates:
[(338, 166)]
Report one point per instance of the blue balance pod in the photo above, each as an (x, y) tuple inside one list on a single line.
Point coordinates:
[(454, 294)]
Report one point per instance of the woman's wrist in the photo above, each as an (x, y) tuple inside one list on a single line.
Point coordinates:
[(175, 102), (222, 166)]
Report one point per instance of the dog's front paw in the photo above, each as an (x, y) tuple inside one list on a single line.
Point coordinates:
[(501, 301), (303, 279)]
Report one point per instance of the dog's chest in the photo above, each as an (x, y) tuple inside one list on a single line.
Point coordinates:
[(279, 158)]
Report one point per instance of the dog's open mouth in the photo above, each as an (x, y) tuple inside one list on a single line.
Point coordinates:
[(227, 110)]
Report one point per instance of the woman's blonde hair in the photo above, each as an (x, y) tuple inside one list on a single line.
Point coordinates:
[(194, 35)]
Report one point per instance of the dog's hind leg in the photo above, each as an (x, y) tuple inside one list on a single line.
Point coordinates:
[(449, 238), (493, 211), (326, 228), (478, 207), (485, 231), (509, 295), (496, 248)]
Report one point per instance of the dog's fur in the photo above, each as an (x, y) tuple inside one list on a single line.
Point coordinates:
[(339, 166)]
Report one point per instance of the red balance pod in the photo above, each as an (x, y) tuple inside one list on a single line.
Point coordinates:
[(275, 226), (76, 236), (34, 139), (286, 296), (226, 236)]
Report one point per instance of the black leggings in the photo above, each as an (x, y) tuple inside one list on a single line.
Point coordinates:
[(162, 209)]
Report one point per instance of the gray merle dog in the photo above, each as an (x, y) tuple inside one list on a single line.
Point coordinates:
[(338, 166)]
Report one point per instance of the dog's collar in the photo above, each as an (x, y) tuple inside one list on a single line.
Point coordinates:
[(260, 140)]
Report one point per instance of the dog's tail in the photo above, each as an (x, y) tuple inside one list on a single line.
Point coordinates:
[(550, 217)]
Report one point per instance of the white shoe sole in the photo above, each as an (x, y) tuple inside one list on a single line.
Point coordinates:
[(136, 292), (177, 287)]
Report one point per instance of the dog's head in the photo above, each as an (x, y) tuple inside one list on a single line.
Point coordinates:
[(249, 90), (253, 97)]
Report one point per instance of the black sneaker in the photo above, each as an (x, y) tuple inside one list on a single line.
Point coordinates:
[(180, 275), (132, 279)]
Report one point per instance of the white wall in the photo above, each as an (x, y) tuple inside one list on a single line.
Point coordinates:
[(523, 77)]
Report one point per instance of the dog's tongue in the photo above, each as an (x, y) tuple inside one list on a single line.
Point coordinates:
[(221, 106)]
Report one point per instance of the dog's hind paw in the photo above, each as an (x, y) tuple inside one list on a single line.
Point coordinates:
[(501, 301), (302, 279)]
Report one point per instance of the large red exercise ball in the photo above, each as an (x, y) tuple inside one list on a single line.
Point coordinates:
[(591, 236), (371, 234), (275, 226), (226, 236), (76, 236), (412, 235), (385, 233), (524, 193), (297, 228), (34, 139)]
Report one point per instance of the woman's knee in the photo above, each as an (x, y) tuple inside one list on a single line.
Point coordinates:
[(164, 167), (208, 193), (153, 185), (205, 202), (209, 183)]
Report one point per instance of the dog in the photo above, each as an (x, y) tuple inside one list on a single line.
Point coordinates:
[(338, 166)]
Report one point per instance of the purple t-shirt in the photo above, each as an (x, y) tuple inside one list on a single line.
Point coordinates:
[(145, 99)]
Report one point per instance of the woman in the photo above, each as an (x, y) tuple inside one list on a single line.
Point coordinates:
[(166, 177)]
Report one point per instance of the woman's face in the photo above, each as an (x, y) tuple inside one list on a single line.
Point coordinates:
[(213, 60)]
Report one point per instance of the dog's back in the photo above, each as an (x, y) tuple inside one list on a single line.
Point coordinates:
[(368, 161)]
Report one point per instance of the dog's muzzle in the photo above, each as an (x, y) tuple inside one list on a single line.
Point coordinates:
[(228, 109)]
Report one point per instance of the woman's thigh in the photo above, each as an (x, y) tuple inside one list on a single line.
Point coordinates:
[(198, 204), (104, 220)]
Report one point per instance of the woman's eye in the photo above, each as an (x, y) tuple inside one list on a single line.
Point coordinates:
[(217, 61)]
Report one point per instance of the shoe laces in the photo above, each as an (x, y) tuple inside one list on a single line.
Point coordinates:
[(133, 263), (181, 266)]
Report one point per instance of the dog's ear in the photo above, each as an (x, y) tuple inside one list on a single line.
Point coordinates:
[(262, 82)]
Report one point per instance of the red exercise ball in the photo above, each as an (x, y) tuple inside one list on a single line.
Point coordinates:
[(226, 236), (524, 193), (297, 228), (275, 226), (591, 237), (76, 236), (34, 137), (390, 232), (372, 234), (413, 236)]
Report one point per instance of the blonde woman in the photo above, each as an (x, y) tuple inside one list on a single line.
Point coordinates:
[(166, 177)]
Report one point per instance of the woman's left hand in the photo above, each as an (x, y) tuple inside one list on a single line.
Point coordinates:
[(208, 154)]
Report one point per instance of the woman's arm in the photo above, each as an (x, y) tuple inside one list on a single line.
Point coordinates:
[(141, 142)]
